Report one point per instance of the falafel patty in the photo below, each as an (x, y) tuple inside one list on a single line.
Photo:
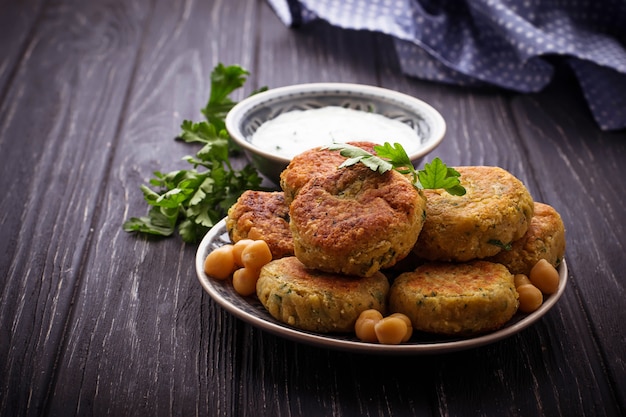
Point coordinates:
[(261, 215), (319, 161), (544, 239), (495, 210), (356, 221), (317, 301), (455, 299)]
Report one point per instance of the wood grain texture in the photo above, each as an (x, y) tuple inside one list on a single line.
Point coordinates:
[(58, 127), (156, 323), (17, 22), (579, 164), (95, 321)]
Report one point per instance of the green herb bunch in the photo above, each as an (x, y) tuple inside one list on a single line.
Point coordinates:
[(195, 199), (432, 176)]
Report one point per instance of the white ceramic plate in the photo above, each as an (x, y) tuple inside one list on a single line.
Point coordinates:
[(250, 310)]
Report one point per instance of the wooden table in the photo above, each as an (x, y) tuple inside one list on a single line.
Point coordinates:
[(96, 321)]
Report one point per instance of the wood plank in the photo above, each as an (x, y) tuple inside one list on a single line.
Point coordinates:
[(70, 84), (314, 53), (495, 128), (145, 339), (17, 22), (580, 167)]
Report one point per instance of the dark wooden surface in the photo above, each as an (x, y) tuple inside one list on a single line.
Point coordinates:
[(95, 321)]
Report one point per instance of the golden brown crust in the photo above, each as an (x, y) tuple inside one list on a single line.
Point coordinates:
[(356, 221), (315, 162), (544, 239), (455, 299), (495, 211), (261, 215), (317, 301)]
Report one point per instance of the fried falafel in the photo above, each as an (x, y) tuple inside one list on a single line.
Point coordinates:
[(495, 210), (544, 239), (261, 215), (319, 161), (455, 298), (356, 221), (317, 301)]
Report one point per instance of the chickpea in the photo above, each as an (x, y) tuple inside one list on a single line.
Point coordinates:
[(371, 314), (220, 263), (391, 330), (244, 281), (364, 326), (545, 277), (364, 330), (530, 298), (409, 325), (521, 279), (238, 247), (256, 254)]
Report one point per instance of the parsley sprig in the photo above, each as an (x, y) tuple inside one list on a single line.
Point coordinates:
[(434, 175), (195, 199)]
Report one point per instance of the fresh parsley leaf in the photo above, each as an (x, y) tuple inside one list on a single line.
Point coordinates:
[(434, 175), (438, 175), (161, 222), (224, 80), (356, 155), (195, 199), (201, 132), (394, 153), (398, 158)]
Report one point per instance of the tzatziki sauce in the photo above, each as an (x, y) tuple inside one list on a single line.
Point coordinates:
[(294, 132)]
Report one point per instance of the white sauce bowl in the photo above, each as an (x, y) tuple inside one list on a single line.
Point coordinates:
[(248, 115)]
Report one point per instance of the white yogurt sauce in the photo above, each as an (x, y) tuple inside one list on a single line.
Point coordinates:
[(294, 132)]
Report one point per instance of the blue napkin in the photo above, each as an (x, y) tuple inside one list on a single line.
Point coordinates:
[(505, 43)]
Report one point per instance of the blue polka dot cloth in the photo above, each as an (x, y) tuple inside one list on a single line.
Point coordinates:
[(504, 43)]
